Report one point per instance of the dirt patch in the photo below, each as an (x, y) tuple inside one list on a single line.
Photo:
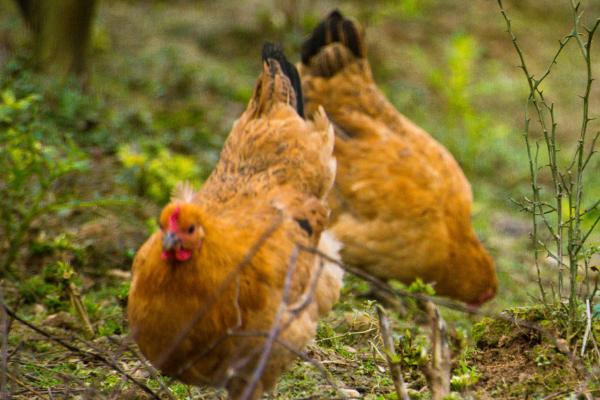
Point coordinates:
[(515, 363)]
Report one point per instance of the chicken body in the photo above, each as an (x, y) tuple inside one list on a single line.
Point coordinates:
[(226, 269), (401, 204)]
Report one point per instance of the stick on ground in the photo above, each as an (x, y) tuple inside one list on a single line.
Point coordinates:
[(390, 353), (437, 371)]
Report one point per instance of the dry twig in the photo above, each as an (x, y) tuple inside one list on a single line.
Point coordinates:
[(87, 354), (275, 329), (437, 371), (378, 284), (390, 354)]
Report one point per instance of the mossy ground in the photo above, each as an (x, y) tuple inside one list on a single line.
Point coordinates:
[(170, 79), (516, 362)]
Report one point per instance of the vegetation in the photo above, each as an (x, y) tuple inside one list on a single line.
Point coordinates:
[(85, 171)]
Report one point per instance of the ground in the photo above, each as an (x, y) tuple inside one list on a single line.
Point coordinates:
[(166, 82)]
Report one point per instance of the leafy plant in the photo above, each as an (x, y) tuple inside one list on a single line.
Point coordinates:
[(412, 348), (463, 377), (153, 170), (33, 161), (418, 286)]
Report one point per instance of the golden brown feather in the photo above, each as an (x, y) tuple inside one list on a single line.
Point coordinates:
[(195, 307), (401, 204)]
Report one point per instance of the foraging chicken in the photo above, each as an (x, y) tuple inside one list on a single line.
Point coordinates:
[(401, 205), (229, 267)]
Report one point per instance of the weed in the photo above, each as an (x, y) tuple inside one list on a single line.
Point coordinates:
[(562, 226), (33, 162), (154, 171), (464, 377)]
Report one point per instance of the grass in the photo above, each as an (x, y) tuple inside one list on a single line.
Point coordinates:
[(168, 80)]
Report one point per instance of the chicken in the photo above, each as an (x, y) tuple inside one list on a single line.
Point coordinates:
[(401, 205), (230, 265)]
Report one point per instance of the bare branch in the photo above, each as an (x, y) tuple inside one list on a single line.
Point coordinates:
[(84, 353), (300, 354), (378, 284), (588, 326), (275, 329), (438, 369), (390, 354)]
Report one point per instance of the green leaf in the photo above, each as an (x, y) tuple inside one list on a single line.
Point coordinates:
[(596, 311)]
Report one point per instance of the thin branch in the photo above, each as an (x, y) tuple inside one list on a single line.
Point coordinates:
[(74, 349), (588, 326), (562, 43), (438, 369), (378, 284), (390, 354), (123, 346), (275, 328), (589, 232), (305, 357), (24, 385), (292, 311), (592, 149), (575, 241)]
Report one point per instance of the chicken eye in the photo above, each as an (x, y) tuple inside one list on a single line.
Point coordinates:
[(191, 229)]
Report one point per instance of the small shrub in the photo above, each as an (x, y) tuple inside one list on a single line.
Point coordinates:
[(153, 170), (464, 377), (418, 286), (57, 287), (33, 160), (48, 287), (564, 216), (412, 348)]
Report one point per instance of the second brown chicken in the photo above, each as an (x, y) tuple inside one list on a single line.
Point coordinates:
[(401, 204)]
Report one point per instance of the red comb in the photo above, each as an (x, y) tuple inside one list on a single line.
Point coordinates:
[(173, 220)]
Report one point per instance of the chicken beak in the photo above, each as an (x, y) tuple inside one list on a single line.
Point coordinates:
[(170, 240)]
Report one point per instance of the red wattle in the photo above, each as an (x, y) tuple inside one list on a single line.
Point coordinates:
[(183, 254)]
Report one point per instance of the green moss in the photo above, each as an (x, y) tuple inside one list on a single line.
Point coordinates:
[(488, 331)]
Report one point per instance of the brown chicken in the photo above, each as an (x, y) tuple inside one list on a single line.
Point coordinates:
[(229, 266), (401, 205)]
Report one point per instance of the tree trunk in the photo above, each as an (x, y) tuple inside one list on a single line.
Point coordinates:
[(62, 30)]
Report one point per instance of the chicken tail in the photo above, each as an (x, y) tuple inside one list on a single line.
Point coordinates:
[(279, 82), (335, 43)]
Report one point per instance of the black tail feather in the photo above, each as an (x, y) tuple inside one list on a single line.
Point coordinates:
[(335, 28), (274, 51)]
